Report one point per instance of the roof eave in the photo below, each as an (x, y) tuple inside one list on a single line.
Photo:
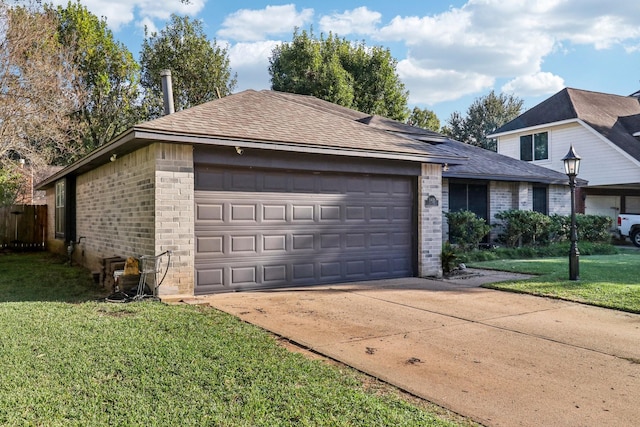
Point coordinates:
[(513, 178), (299, 147), (137, 137), (535, 127)]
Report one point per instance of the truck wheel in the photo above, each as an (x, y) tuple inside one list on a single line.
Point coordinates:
[(635, 237)]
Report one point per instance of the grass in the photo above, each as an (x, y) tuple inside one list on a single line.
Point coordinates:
[(609, 281), (70, 360)]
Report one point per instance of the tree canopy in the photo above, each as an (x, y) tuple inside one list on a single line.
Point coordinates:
[(424, 118), (484, 116), (199, 67), (336, 70), (38, 91), (108, 74)]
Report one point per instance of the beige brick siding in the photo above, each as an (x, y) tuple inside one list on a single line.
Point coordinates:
[(511, 195), (559, 200), (174, 221), (115, 208), (430, 220), (140, 204)]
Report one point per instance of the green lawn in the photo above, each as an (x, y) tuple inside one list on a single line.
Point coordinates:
[(70, 360), (611, 281)]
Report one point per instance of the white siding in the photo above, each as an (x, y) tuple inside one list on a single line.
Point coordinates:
[(603, 205), (602, 163)]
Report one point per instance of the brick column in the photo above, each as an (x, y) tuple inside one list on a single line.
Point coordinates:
[(430, 220), (174, 220)]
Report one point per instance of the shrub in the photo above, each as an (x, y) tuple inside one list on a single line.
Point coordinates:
[(594, 228), (549, 251), (523, 228), (448, 258), (466, 229), (590, 228)]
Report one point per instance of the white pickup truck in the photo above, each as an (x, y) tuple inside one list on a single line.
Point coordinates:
[(629, 226)]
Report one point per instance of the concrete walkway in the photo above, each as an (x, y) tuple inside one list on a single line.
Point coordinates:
[(499, 358)]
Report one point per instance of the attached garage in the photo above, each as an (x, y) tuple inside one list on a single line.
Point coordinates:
[(260, 228), (262, 190)]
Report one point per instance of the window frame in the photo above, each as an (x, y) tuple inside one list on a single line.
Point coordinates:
[(534, 146), (60, 209), (535, 206)]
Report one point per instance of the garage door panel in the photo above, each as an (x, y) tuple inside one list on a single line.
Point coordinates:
[(210, 212), (299, 271), (311, 229), (210, 244), (274, 243), (277, 213)]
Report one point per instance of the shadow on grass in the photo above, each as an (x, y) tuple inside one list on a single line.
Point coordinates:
[(42, 276)]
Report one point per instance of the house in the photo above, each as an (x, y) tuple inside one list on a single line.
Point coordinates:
[(488, 183), (605, 131), (263, 189)]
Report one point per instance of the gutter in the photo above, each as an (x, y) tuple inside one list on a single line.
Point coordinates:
[(136, 138)]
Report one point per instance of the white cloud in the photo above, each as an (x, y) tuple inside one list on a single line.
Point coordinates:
[(537, 84), (432, 86), (357, 21), (122, 12), (255, 25), (251, 62), (464, 50)]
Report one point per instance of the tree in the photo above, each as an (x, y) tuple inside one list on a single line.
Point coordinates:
[(424, 118), (108, 74), (200, 68), (338, 71), (12, 183), (38, 94), (484, 116)]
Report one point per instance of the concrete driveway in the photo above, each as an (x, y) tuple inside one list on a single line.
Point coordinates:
[(499, 358)]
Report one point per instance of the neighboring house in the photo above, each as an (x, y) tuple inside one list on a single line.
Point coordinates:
[(267, 189), (28, 194), (488, 183), (605, 131)]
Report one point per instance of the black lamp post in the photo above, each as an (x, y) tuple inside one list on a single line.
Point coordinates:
[(571, 167)]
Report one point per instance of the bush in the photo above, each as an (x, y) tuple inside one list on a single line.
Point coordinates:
[(466, 229), (594, 228), (523, 228), (554, 250), (590, 228), (533, 228), (448, 258)]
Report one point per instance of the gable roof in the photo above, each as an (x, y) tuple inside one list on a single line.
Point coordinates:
[(285, 121), (299, 123), (482, 164), (615, 117)]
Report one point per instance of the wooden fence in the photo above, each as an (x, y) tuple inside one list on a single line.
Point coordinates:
[(23, 227)]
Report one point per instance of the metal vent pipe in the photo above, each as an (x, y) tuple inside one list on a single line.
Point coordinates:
[(167, 92)]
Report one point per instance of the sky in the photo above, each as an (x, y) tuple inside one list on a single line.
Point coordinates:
[(449, 53)]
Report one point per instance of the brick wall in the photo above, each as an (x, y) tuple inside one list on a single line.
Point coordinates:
[(115, 209), (174, 221), (505, 196), (560, 200), (140, 204), (430, 220)]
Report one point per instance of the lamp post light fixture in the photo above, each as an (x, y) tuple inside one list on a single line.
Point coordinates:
[(571, 168)]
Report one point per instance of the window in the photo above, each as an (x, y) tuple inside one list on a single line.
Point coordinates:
[(534, 147), (60, 209), (471, 197), (540, 200)]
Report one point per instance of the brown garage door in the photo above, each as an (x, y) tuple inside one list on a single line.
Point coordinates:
[(266, 229)]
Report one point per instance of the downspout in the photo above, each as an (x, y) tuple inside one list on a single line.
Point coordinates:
[(167, 92)]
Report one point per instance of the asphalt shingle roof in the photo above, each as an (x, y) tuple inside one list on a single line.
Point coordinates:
[(615, 117), (273, 117), (277, 120)]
